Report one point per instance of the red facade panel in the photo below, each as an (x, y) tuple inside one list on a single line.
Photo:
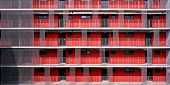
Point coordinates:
[(121, 76), (121, 58)]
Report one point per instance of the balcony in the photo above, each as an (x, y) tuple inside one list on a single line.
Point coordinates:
[(91, 60), (83, 23), (77, 4), (111, 79), (88, 42)]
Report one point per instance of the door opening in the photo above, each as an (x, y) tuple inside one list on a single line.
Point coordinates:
[(62, 39), (62, 74), (105, 21)]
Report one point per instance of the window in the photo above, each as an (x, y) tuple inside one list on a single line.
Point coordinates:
[(114, 70), (113, 52), (85, 0), (40, 69), (85, 52), (85, 16), (82, 70), (129, 70), (43, 52), (69, 34), (157, 16), (69, 52), (157, 52), (129, 34), (130, 16), (70, 16), (88, 34), (157, 70), (129, 0), (113, 16), (42, 0), (129, 52), (42, 16)]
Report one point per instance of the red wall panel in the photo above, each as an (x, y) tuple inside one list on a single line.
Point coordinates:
[(133, 23), (121, 76), (44, 4), (50, 58), (74, 40), (54, 73), (38, 76), (92, 58), (121, 58), (159, 23), (159, 59), (137, 40), (70, 58), (159, 77)]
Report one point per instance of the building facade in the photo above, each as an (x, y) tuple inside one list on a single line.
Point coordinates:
[(85, 42)]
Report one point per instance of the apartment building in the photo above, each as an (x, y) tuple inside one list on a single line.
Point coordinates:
[(85, 42)]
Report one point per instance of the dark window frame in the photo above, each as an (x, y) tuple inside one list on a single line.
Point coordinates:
[(157, 52), (41, 70), (70, 16), (129, 16), (85, 16), (70, 52), (157, 70), (41, 16), (82, 70), (113, 52), (129, 70), (85, 52), (129, 34), (70, 34), (88, 34), (157, 16), (129, 52), (43, 52), (113, 16), (114, 70)]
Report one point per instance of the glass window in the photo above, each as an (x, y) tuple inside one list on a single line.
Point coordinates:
[(129, 70), (129, 52), (129, 16), (85, 52), (157, 16), (129, 34), (69, 52), (69, 34), (113, 16), (85, 16), (114, 70), (42, 16), (157, 70), (88, 34), (43, 52), (40, 69), (113, 52), (157, 52), (70, 16)]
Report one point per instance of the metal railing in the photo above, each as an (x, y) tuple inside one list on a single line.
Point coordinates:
[(82, 23), (48, 42), (88, 60), (89, 4), (102, 78)]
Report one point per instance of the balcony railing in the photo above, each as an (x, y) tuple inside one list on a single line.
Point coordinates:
[(77, 4), (49, 42), (88, 60), (102, 78), (83, 23)]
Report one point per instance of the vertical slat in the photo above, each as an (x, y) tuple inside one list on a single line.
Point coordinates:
[(156, 37)]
